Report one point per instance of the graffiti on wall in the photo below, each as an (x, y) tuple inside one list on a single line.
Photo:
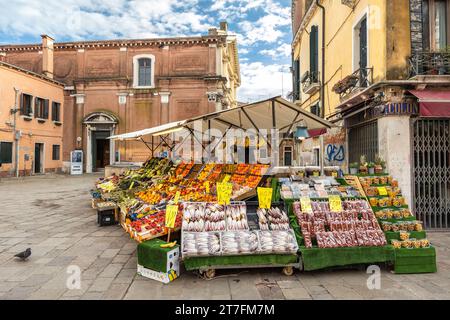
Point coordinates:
[(334, 147)]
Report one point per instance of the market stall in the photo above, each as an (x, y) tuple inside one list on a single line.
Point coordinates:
[(212, 215)]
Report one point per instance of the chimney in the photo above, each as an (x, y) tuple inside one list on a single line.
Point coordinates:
[(47, 55), (224, 26)]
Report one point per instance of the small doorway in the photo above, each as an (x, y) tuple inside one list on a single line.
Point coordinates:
[(100, 150), (38, 158), (288, 156)]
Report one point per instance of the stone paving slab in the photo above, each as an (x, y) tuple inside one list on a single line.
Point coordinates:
[(61, 229)]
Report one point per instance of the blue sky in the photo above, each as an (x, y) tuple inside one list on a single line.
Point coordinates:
[(263, 28)]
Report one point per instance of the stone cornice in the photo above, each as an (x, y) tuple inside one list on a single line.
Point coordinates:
[(136, 43)]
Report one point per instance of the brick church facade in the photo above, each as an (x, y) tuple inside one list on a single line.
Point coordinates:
[(119, 86)]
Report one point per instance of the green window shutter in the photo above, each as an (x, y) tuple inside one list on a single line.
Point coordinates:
[(6, 152), (314, 52)]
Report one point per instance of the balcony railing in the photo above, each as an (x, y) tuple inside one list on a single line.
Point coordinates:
[(359, 79), (430, 63), (310, 82)]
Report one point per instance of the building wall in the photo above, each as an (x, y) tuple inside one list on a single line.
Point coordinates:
[(196, 77), (388, 44), (394, 143), (32, 131)]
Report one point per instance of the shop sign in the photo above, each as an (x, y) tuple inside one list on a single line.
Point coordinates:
[(265, 197)]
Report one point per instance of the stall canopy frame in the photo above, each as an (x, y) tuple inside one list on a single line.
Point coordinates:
[(273, 113)]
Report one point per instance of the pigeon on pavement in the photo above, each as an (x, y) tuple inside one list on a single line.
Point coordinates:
[(24, 255)]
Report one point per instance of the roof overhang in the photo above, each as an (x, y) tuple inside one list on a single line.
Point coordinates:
[(274, 113)]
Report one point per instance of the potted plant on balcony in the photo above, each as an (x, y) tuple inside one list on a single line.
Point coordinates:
[(371, 167), (380, 164), (363, 165), (353, 168)]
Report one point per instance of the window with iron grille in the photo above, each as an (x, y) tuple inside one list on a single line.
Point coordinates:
[(363, 140)]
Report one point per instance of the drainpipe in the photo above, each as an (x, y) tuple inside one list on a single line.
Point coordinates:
[(322, 87), (16, 134)]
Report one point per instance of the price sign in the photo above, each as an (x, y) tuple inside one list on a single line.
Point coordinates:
[(382, 191), (177, 197), (265, 197), (171, 215), (315, 174), (227, 178), (334, 174), (305, 203), (224, 191), (206, 184), (335, 203)]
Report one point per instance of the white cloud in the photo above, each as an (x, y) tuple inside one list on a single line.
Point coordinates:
[(260, 81), (278, 53), (80, 19)]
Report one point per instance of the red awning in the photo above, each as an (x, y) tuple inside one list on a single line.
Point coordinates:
[(433, 103), (316, 132)]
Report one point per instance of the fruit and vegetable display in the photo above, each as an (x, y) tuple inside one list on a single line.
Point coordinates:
[(230, 227), (323, 188), (355, 226), (393, 213)]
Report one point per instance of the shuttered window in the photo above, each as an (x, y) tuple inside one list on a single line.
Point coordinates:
[(296, 77), (26, 108), (6, 152), (314, 54), (41, 108), (56, 111)]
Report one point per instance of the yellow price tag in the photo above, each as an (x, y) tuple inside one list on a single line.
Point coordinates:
[(171, 215), (334, 174), (335, 203), (206, 184), (315, 174), (177, 197), (224, 191), (382, 191), (265, 197), (305, 203), (227, 178)]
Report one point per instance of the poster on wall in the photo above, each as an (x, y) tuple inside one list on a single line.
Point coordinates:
[(76, 162), (334, 147)]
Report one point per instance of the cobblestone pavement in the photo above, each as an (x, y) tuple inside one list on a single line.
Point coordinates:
[(52, 215)]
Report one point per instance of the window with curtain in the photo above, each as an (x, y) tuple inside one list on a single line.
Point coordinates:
[(440, 24), (145, 72)]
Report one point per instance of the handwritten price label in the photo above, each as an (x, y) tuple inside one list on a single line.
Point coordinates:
[(382, 191), (315, 174), (265, 197), (206, 184), (335, 203), (305, 203), (171, 215), (224, 191)]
